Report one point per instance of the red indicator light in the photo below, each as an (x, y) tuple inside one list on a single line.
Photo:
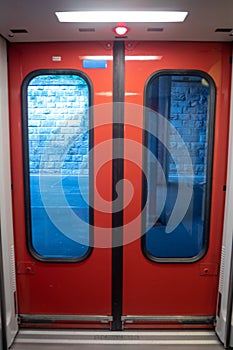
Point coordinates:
[(121, 30)]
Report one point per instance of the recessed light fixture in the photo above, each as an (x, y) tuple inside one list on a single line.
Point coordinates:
[(121, 16)]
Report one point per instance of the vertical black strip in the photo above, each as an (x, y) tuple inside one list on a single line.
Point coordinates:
[(118, 174), (3, 331)]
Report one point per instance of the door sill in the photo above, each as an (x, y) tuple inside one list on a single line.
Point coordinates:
[(27, 339)]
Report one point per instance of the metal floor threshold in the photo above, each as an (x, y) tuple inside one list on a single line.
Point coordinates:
[(105, 340)]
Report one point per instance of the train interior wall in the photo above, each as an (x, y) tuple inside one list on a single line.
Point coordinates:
[(9, 285), (28, 339)]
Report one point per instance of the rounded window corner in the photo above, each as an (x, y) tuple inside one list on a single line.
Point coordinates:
[(43, 259), (186, 100), (157, 260), (44, 143)]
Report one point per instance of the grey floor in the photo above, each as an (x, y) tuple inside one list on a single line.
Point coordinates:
[(127, 340)]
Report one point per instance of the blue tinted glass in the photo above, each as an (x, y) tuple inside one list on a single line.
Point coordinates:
[(180, 146), (58, 141)]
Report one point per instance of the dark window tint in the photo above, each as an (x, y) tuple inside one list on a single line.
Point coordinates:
[(179, 135)]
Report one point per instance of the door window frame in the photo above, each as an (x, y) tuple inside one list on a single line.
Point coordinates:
[(209, 164), (26, 168)]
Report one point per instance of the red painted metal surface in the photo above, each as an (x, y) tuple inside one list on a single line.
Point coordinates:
[(64, 288), (148, 288), (176, 289)]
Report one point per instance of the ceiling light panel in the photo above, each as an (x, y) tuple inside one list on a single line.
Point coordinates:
[(121, 16)]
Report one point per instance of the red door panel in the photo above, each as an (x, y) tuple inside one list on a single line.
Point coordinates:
[(150, 289), (48, 288), (172, 289)]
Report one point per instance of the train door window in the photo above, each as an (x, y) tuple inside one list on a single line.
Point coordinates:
[(57, 167), (179, 124)]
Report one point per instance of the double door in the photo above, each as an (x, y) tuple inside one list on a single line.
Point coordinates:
[(118, 171)]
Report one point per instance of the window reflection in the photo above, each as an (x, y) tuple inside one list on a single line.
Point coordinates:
[(58, 144), (184, 101)]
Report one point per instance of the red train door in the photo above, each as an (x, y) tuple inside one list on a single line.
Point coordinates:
[(61, 277), (170, 274), (145, 251)]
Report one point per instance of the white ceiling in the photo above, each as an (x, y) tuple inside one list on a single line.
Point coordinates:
[(38, 18)]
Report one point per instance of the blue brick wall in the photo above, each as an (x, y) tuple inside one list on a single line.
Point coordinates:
[(58, 124), (189, 114)]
